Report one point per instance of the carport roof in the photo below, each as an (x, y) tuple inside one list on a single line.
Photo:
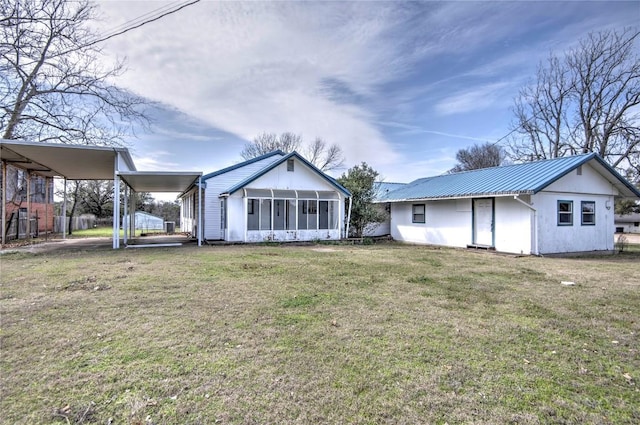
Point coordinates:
[(160, 181), (83, 162), (74, 162)]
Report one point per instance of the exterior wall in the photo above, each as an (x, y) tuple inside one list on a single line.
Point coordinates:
[(379, 229), (583, 184), (553, 238), (513, 226), (216, 185), (447, 223)]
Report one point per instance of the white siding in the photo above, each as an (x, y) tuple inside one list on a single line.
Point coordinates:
[(447, 223), (553, 238), (576, 187), (513, 226), (379, 229), (218, 184)]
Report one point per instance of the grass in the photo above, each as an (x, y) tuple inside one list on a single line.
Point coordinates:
[(318, 334), (107, 232)]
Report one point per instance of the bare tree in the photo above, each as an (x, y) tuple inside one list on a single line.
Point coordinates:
[(584, 101), (323, 156), (53, 86), (320, 154), (479, 156)]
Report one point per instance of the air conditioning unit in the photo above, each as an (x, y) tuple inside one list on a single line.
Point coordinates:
[(170, 227)]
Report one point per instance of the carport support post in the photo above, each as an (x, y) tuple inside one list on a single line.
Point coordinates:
[(200, 211), (127, 218), (4, 202), (64, 210), (116, 204)]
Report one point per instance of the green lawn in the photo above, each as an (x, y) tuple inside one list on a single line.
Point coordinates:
[(107, 232), (334, 334)]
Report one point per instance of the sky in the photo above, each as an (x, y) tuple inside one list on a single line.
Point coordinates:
[(399, 85)]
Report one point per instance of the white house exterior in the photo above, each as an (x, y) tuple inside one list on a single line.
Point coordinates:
[(554, 206), (628, 223), (275, 197)]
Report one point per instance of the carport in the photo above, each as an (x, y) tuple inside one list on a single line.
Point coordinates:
[(83, 162)]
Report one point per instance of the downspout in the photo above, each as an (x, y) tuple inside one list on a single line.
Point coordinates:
[(348, 218), (535, 223)]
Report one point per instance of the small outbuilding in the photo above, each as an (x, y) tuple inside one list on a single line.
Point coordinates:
[(144, 221), (559, 205), (627, 223)]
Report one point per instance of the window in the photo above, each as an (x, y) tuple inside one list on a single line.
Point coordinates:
[(289, 164), (588, 213), (565, 213), (417, 213), (250, 205)]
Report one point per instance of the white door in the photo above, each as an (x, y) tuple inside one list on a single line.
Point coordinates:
[(483, 222)]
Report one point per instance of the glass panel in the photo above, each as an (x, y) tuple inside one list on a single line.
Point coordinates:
[(302, 215), (323, 210), (327, 195), (265, 214), (291, 215), (312, 213), (279, 214), (333, 215), (253, 214)]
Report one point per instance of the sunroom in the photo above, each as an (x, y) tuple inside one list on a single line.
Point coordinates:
[(289, 215)]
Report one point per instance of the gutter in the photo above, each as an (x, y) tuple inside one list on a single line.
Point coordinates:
[(535, 223)]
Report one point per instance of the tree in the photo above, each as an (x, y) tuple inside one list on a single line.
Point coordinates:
[(317, 152), (479, 156), (584, 101), (360, 181), (52, 84)]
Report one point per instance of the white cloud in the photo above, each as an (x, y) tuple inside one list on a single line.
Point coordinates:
[(476, 99)]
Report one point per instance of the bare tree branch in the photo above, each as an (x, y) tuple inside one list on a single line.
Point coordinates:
[(53, 86), (584, 101)]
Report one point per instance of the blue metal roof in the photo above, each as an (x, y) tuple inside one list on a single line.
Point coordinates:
[(517, 179), (382, 188), (242, 164), (274, 164)]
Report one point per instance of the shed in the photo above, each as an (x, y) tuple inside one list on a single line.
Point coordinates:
[(559, 205)]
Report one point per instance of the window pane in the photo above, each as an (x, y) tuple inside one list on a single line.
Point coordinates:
[(253, 214), (565, 213), (265, 214), (588, 212)]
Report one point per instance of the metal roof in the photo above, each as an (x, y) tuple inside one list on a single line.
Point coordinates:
[(160, 181), (242, 164), (517, 179), (74, 162), (86, 162), (274, 164)]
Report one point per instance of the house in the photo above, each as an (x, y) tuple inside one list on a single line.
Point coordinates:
[(274, 197), (628, 223), (560, 205), (144, 221)]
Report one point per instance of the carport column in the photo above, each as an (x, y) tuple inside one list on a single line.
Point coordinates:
[(4, 202), (200, 211), (116, 203), (127, 218), (28, 206), (64, 210)]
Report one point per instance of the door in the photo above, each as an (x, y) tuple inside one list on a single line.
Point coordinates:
[(483, 222)]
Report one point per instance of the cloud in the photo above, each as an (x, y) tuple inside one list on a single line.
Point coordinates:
[(334, 70), (473, 100)]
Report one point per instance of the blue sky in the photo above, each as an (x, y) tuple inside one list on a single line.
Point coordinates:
[(402, 86)]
